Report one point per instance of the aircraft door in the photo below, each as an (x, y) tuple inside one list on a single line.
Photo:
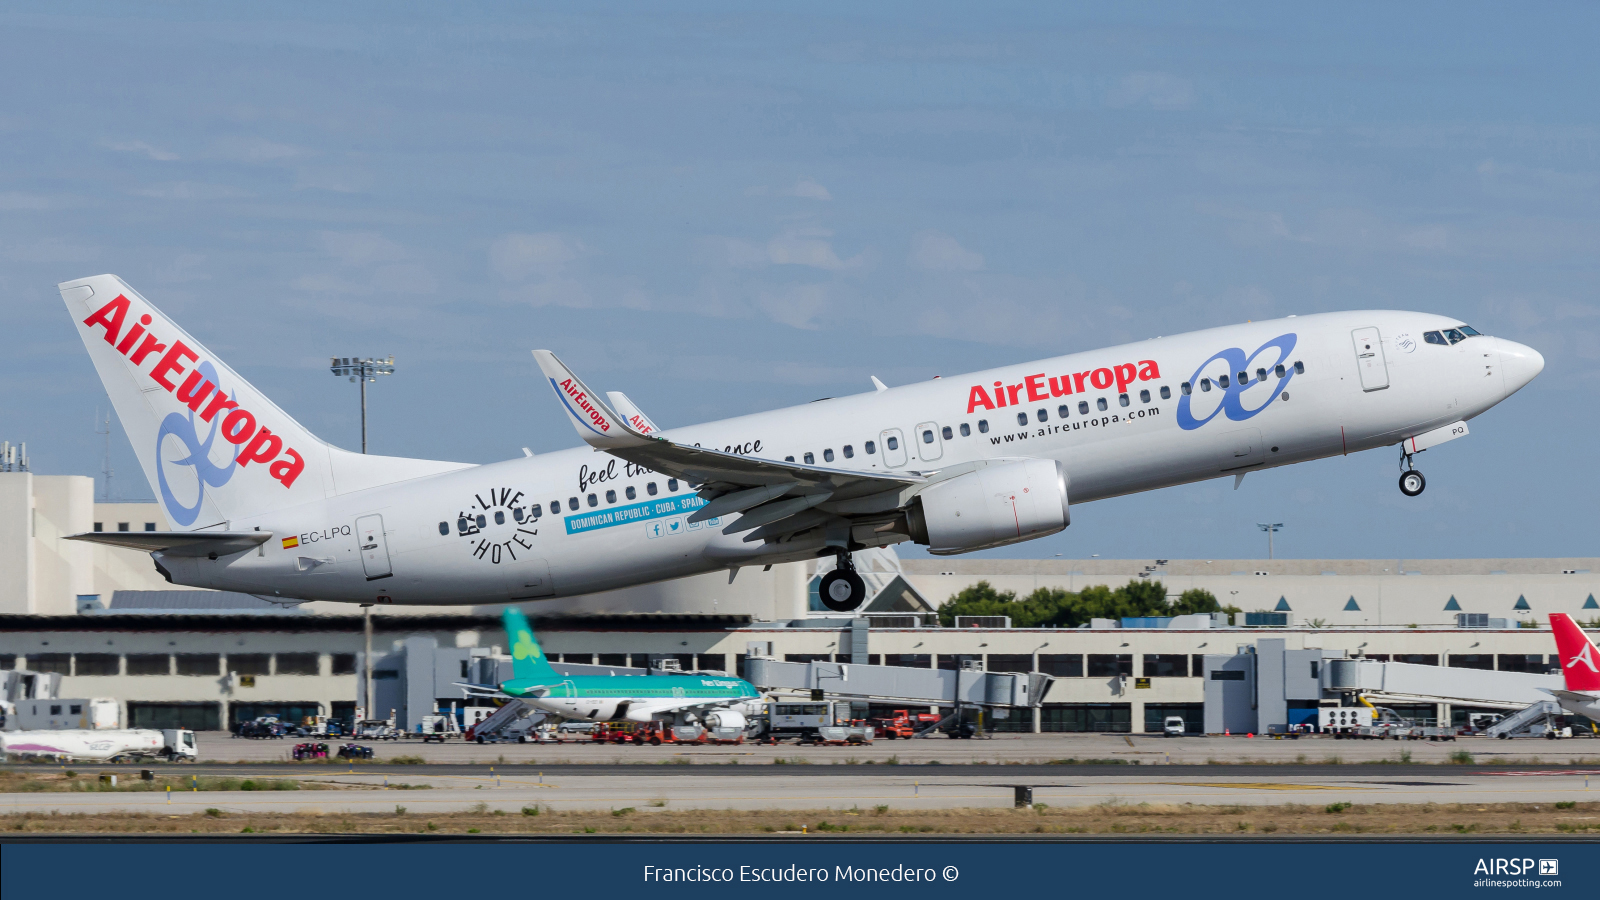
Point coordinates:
[(1369, 359), (894, 447), (374, 548), (929, 446)]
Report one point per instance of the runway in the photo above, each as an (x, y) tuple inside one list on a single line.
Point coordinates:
[(438, 792)]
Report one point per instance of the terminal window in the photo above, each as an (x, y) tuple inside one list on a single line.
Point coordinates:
[(149, 664), (1109, 665), (8, 660), (1010, 662), (1116, 718), (1524, 662), (297, 663), (199, 664), (60, 663), (250, 663), (1417, 659), (613, 659), (149, 526), (344, 664), (1166, 665), (909, 660), (1061, 665), (1472, 661), (97, 664)]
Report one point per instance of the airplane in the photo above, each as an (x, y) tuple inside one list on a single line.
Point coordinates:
[(1580, 666), (260, 505), (721, 702)]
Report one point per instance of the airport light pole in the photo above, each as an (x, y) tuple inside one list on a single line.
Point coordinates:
[(1270, 529), (363, 371)]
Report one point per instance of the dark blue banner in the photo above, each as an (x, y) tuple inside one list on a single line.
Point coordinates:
[(263, 869)]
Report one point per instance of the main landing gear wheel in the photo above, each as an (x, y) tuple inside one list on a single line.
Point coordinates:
[(1412, 483), (842, 590)]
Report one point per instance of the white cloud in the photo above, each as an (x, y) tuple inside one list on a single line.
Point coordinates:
[(796, 306), (1157, 90), (939, 252), (809, 247), (809, 189), (141, 147), (360, 248), (547, 253)]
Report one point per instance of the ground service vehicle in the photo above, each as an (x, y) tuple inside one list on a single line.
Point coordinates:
[(1172, 726), (111, 745)]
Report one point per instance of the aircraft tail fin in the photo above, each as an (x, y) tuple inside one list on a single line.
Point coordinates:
[(213, 447), (1580, 658), (528, 662)]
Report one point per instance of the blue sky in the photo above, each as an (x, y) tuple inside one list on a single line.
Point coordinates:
[(722, 208)]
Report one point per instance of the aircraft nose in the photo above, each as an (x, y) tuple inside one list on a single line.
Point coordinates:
[(1520, 363)]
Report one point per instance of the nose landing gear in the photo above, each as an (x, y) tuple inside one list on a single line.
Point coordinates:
[(1411, 481), (842, 590)]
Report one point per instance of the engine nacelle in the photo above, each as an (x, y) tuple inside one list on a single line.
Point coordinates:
[(725, 720), (999, 504)]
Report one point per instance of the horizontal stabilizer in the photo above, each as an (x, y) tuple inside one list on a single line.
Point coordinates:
[(178, 543)]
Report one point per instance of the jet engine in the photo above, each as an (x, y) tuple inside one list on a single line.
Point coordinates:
[(1001, 503), (726, 724)]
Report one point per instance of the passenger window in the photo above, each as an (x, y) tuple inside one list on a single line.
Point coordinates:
[(630, 492), (983, 426), (1261, 374), (499, 517), (1101, 403), (482, 522), (1205, 383), (572, 503), (672, 485), (1299, 367), (927, 435), (810, 459), (871, 448), (1022, 418), (518, 514), (1061, 411), (1042, 415), (966, 430), (892, 443), (849, 452), (611, 497), (788, 459), (650, 489), (593, 501), (1083, 407), (536, 510), (1144, 396), (1186, 388), (1279, 371), (945, 431), (444, 528), (555, 507), (827, 455), (1122, 400), (1166, 392), (1434, 337), (1244, 378)]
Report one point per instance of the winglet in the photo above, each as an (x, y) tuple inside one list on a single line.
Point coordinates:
[(1580, 659), (631, 413), (598, 425)]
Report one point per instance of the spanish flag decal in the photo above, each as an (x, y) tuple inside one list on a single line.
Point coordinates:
[(290, 542)]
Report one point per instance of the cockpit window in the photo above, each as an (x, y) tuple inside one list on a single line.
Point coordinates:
[(1469, 331), (1455, 336), (1434, 337)]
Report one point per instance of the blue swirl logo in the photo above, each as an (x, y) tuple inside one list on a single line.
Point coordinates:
[(206, 472), (1232, 401)]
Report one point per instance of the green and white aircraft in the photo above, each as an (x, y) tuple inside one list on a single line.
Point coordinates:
[(721, 703)]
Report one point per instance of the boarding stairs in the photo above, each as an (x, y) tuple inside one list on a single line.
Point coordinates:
[(512, 713), (1527, 721)]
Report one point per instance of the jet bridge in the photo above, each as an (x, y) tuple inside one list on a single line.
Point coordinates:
[(1410, 683), (933, 687)]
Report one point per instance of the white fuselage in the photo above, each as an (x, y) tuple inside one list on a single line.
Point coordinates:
[(1109, 437)]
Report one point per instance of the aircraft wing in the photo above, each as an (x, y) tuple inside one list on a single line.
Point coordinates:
[(178, 543), (776, 497)]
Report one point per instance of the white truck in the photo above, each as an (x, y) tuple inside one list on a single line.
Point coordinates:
[(97, 714), (118, 745)]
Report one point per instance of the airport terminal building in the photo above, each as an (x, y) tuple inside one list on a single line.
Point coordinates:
[(103, 621)]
